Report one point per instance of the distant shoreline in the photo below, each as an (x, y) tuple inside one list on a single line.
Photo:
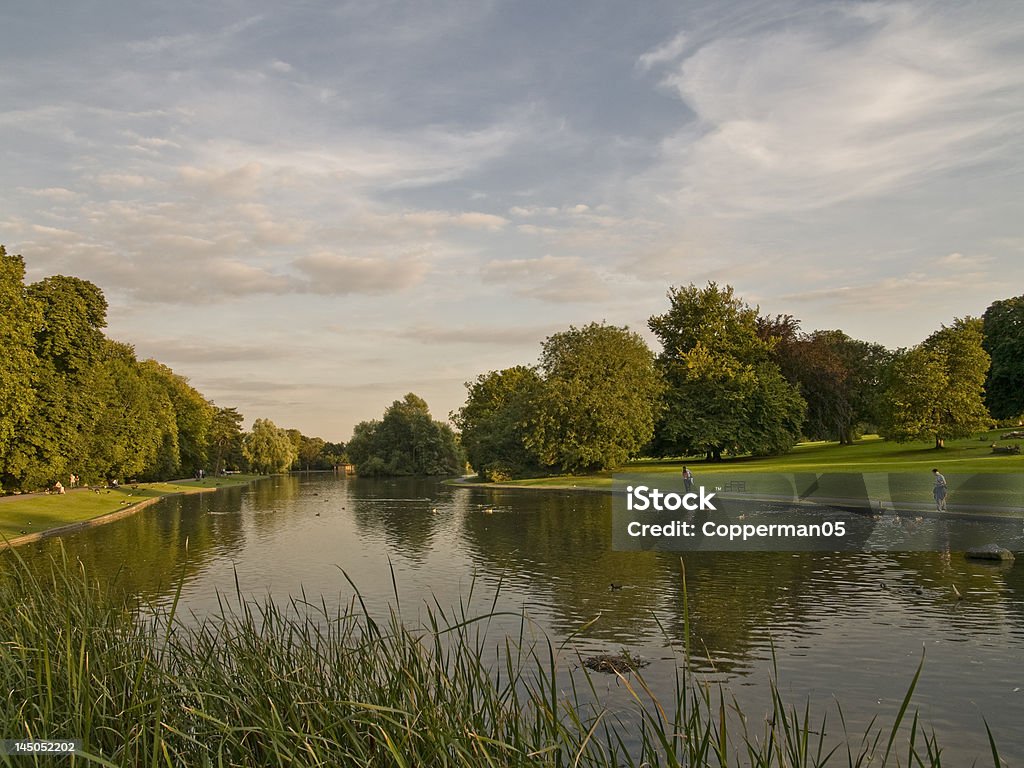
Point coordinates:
[(28, 510)]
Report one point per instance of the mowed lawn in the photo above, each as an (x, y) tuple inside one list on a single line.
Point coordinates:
[(35, 512), (870, 454)]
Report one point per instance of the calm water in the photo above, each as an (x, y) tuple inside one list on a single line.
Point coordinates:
[(846, 627)]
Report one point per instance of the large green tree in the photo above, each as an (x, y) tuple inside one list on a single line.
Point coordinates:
[(193, 416), (406, 441), (1003, 329), (311, 452), (839, 377), (935, 390), (599, 399), (19, 318), (724, 390), (267, 448), (225, 439), (494, 424), (130, 430), (69, 346)]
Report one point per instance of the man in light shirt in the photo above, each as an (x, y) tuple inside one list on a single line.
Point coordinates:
[(939, 491)]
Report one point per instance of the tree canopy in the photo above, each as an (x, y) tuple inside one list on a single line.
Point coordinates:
[(1003, 329), (73, 401), (406, 441), (268, 448), (494, 424), (724, 391), (599, 398), (936, 390), (839, 377)]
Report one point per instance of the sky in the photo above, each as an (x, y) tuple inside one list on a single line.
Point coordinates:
[(309, 209)]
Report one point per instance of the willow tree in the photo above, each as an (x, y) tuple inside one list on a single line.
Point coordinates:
[(267, 448)]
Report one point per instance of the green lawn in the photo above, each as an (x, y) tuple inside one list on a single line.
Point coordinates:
[(32, 513), (871, 454)]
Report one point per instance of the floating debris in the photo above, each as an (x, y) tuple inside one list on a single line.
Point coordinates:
[(615, 662), (989, 552)]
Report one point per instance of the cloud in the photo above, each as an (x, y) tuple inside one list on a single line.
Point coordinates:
[(173, 351), (122, 180), (668, 51), (242, 181), (899, 294), (487, 336), (469, 220), (558, 279), (843, 102), (341, 274), (960, 261), (56, 194)]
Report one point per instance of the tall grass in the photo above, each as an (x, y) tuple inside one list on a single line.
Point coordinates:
[(260, 684)]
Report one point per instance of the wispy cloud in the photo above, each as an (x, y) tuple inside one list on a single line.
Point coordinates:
[(844, 103), (340, 274)]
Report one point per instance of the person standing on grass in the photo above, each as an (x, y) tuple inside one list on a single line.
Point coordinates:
[(688, 480), (939, 491)]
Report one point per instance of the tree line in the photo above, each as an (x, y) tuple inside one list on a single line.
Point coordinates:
[(74, 402), (729, 381)]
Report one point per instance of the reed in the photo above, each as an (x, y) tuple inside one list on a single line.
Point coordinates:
[(302, 684)]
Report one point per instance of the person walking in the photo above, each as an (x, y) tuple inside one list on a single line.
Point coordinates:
[(687, 480), (939, 491)]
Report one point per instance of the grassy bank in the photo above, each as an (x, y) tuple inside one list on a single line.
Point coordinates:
[(303, 685), (38, 512), (870, 454)]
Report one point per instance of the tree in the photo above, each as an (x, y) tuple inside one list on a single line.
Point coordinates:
[(19, 318), (225, 438), (494, 423), (295, 437), (406, 441), (74, 313), (599, 399), (334, 454), (73, 401), (193, 416), (935, 390), (268, 448), (130, 429), (839, 377), (310, 451), (1003, 328), (69, 345), (724, 391)]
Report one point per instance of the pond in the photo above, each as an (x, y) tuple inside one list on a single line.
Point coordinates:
[(832, 627)]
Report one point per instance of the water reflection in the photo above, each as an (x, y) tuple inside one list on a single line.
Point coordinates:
[(851, 625), (147, 553)]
